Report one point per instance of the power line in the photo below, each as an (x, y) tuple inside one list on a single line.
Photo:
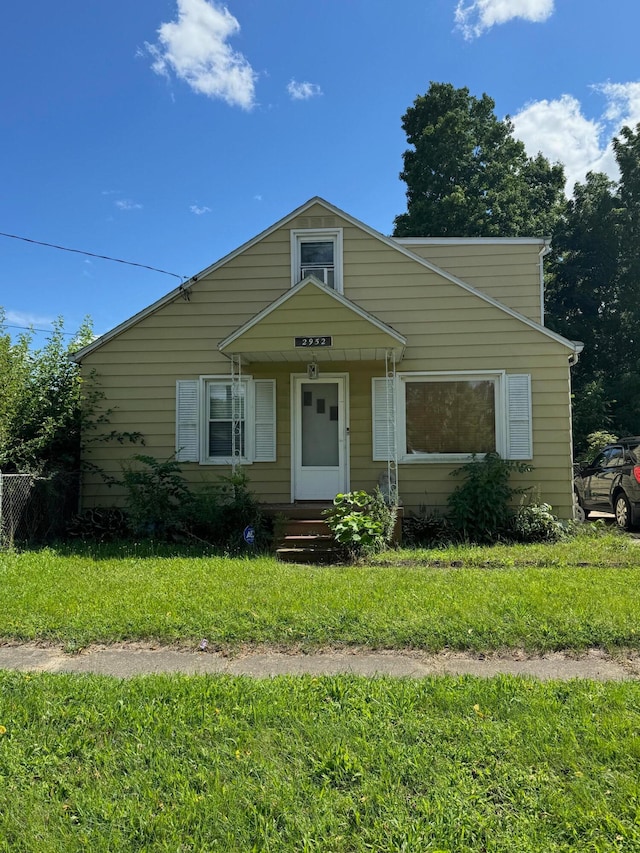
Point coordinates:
[(33, 329), (92, 255)]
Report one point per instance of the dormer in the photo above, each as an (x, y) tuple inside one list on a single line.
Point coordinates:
[(317, 252)]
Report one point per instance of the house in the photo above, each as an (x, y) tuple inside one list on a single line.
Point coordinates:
[(327, 357)]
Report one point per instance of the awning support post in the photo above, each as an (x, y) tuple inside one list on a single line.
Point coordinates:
[(392, 444), (237, 407)]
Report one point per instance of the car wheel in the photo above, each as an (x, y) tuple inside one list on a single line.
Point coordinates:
[(580, 514), (622, 511)]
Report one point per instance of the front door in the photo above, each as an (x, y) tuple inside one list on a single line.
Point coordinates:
[(319, 438)]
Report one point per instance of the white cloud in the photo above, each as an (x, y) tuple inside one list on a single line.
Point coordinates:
[(127, 204), (22, 318), (195, 49), (563, 133), (474, 17), (303, 91), (198, 210)]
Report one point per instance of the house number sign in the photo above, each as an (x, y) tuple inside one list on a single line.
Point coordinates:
[(316, 341)]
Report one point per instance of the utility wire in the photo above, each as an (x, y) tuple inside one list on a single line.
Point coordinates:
[(93, 255), (33, 329)]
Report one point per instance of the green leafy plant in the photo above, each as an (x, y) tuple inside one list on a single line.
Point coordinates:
[(220, 513), (158, 499), (537, 523), (361, 523), (480, 509), (596, 441)]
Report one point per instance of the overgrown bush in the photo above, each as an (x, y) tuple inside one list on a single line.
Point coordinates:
[(220, 514), (480, 508), (158, 499), (41, 404), (362, 523), (430, 528), (161, 505)]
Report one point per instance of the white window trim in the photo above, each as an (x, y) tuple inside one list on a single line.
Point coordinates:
[(249, 414), (496, 376), (305, 235)]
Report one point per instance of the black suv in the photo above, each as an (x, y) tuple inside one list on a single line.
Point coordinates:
[(611, 483)]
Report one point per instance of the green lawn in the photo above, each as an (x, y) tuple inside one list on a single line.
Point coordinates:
[(338, 765), (572, 595), (317, 764)]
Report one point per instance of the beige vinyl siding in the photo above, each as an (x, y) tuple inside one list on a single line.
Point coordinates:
[(447, 328), (509, 272)]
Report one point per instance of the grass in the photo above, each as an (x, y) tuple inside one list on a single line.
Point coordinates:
[(572, 595), (317, 764)]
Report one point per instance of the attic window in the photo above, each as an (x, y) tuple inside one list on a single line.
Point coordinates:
[(317, 253)]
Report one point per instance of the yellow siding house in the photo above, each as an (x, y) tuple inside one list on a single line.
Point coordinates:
[(325, 357)]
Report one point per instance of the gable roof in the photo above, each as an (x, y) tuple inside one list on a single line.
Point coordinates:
[(183, 289), (357, 335)]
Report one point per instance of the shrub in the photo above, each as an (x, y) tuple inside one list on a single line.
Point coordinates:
[(220, 514), (480, 508), (362, 523), (536, 523), (158, 499)]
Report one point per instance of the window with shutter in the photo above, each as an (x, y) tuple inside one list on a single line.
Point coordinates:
[(207, 421), (450, 417)]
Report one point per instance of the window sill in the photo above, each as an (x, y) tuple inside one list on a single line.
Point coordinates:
[(227, 461), (443, 458)]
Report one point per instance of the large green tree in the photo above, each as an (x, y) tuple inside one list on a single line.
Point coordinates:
[(41, 403), (594, 293), (468, 176)]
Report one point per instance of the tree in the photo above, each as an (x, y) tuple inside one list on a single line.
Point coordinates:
[(467, 175), (594, 293), (41, 407)]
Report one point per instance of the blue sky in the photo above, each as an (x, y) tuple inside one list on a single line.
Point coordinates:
[(168, 132)]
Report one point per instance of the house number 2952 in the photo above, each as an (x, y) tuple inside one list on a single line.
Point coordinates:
[(316, 341)]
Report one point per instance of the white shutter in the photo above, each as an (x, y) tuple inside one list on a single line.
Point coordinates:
[(519, 426), (383, 426), (265, 420), (187, 415)]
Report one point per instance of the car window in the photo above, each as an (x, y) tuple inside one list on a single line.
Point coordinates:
[(600, 461), (634, 449), (615, 457)]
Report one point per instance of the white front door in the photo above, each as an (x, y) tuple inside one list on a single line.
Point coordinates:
[(319, 438)]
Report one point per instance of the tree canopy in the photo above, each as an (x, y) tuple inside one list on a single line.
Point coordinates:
[(468, 176), (41, 402), (593, 293)]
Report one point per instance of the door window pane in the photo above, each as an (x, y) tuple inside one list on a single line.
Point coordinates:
[(319, 429)]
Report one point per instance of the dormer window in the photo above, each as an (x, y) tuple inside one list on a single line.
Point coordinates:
[(317, 253)]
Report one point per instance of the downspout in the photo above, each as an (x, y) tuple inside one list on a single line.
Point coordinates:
[(544, 251)]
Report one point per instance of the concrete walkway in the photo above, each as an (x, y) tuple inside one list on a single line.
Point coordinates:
[(128, 660)]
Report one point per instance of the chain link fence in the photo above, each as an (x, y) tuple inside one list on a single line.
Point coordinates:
[(36, 509)]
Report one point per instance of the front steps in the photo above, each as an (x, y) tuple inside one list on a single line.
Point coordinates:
[(302, 534)]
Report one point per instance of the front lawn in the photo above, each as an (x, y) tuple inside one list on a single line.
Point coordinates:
[(317, 764), (571, 595)]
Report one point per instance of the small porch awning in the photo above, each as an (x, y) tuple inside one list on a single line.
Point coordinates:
[(311, 320)]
